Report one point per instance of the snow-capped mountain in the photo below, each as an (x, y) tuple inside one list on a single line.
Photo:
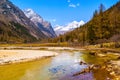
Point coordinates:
[(17, 27), (44, 26), (69, 27)]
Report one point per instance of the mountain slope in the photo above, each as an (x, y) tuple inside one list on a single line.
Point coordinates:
[(15, 26), (69, 27), (103, 27), (44, 26)]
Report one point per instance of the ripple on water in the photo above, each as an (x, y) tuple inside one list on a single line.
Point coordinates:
[(65, 65)]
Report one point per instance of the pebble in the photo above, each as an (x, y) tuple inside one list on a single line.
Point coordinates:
[(112, 73)]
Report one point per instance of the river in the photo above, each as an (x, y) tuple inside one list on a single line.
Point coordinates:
[(60, 67)]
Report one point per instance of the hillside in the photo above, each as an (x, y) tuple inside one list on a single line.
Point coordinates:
[(14, 33), (43, 25), (103, 27), (15, 27)]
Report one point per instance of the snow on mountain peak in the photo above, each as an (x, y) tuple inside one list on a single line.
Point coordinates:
[(44, 26), (32, 15), (70, 26), (58, 27), (29, 12), (73, 25)]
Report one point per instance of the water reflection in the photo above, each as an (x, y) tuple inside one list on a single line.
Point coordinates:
[(61, 67), (65, 65)]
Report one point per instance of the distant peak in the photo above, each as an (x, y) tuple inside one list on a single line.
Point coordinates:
[(28, 10), (82, 22), (33, 16), (69, 27), (30, 13), (43, 25)]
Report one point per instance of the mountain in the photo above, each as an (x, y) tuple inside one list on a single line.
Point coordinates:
[(69, 27), (103, 27), (44, 26), (15, 26)]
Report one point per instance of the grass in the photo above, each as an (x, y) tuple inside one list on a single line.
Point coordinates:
[(98, 60), (65, 44), (101, 73), (105, 45)]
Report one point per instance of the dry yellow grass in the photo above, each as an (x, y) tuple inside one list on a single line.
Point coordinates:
[(37, 44)]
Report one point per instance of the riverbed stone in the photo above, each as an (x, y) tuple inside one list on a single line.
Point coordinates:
[(112, 73), (101, 55), (93, 53)]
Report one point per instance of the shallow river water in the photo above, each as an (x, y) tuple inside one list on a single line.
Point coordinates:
[(61, 67)]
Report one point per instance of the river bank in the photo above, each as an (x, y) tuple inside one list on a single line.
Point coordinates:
[(15, 56), (105, 60), (64, 64)]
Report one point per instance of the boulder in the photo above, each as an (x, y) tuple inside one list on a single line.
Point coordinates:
[(93, 53)]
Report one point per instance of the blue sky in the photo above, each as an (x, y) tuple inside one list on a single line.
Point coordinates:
[(61, 12)]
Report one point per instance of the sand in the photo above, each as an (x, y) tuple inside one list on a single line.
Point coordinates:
[(39, 48), (13, 56)]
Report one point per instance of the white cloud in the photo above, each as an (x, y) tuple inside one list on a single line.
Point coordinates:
[(68, 1), (74, 5), (78, 4), (53, 20)]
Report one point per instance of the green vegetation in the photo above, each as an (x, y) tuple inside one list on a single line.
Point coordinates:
[(14, 33), (104, 65), (102, 28), (111, 45), (99, 59)]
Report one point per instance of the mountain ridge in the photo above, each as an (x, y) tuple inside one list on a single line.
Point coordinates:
[(14, 22), (43, 25), (103, 27), (69, 27)]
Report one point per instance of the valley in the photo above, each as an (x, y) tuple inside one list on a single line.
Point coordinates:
[(47, 41)]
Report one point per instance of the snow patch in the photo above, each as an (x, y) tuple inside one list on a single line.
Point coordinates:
[(69, 27)]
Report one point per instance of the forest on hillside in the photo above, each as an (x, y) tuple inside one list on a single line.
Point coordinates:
[(103, 27)]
